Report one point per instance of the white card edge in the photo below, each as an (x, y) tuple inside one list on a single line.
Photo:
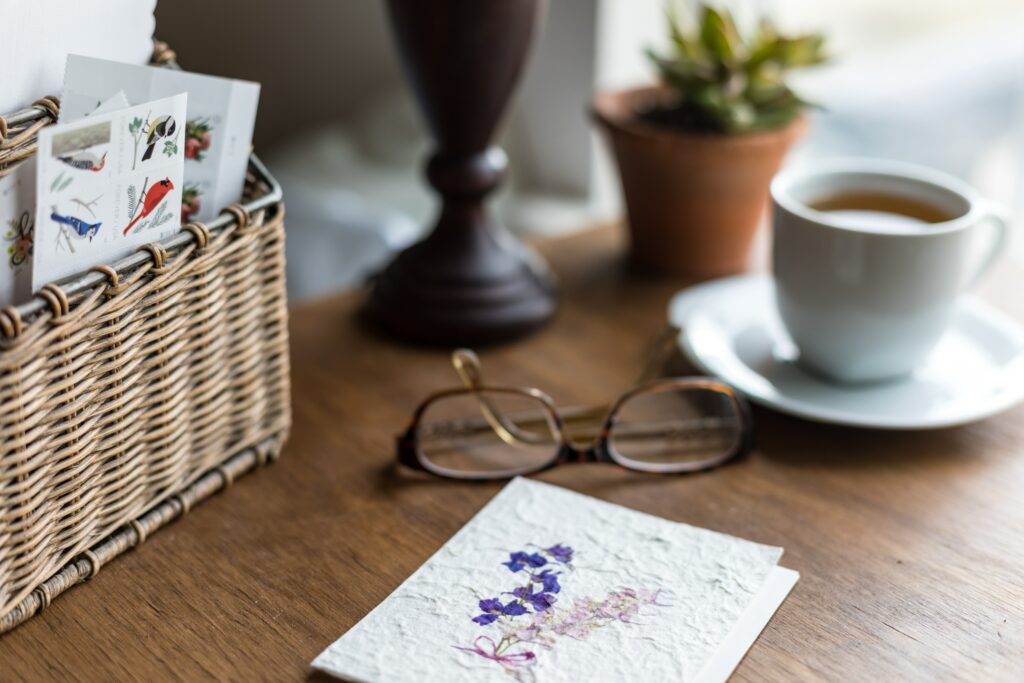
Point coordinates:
[(752, 622), (648, 515), (319, 663)]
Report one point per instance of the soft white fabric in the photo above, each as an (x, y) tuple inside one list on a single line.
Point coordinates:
[(36, 37)]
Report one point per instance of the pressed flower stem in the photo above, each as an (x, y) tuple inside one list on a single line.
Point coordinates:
[(504, 644)]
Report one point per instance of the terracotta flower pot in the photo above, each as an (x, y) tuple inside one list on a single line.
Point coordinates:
[(694, 201)]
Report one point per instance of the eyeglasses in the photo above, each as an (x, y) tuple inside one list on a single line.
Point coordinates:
[(477, 431)]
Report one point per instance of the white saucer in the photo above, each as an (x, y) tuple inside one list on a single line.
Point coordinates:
[(731, 330)]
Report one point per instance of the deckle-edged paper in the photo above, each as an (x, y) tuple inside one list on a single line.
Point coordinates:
[(545, 584)]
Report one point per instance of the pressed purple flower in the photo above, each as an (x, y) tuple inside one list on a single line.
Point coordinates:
[(513, 609), (542, 601), (491, 605), (492, 609), (549, 579), (539, 601), (485, 619), (535, 560), (517, 561), (562, 553)]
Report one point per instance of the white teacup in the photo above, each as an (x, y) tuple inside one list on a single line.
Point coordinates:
[(865, 298)]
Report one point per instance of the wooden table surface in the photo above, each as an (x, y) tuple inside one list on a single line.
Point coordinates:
[(910, 545)]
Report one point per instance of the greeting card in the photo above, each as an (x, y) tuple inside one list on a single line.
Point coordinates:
[(105, 185), (17, 227), (216, 135), (549, 585)]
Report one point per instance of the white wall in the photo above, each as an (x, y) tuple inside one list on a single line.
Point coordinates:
[(933, 81)]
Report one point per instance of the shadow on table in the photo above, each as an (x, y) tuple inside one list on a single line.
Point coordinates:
[(591, 478), (796, 442), (392, 478)]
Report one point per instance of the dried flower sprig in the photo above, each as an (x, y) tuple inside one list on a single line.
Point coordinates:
[(530, 616)]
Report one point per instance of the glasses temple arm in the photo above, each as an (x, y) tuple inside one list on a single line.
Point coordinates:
[(658, 354), (467, 365)]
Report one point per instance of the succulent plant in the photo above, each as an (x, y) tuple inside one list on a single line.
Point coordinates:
[(727, 83)]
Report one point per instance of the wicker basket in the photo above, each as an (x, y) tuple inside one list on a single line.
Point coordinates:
[(135, 390)]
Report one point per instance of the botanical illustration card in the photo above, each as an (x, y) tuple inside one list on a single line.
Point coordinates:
[(217, 131), (105, 185), (549, 585), (17, 226)]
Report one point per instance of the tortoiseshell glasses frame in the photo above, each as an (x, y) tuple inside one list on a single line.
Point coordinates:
[(512, 430)]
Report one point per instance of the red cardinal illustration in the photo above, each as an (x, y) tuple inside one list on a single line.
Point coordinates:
[(154, 195)]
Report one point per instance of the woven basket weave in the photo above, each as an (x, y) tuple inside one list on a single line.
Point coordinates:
[(135, 390)]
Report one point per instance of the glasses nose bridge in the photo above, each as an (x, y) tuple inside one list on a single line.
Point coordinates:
[(572, 451), (585, 447)]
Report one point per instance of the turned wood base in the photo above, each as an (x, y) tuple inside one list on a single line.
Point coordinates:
[(463, 284), (418, 299)]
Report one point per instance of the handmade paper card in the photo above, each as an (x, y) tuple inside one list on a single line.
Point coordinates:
[(548, 585), (217, 135), (106, 185)]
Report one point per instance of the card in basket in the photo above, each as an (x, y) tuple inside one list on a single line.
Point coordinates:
[(217, 133), (17, 227), (107, 184)]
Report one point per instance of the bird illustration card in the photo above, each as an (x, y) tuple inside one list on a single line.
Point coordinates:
[(217, 134), (106, 184), (545, 584)]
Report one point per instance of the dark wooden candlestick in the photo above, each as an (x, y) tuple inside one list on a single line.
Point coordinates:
[(463, 284)]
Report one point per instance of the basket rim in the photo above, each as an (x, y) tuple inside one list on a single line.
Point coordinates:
[(91, 278)]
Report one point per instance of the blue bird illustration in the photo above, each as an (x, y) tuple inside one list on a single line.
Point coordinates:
[(77, 225)]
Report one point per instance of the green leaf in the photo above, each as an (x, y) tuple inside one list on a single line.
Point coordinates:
[(135, 126), (801, 51), (680, 73), (718, 34), (763, 45), (728, 84), (686, 49), (740, 116)]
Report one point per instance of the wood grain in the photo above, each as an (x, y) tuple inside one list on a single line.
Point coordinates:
[(910, 546)]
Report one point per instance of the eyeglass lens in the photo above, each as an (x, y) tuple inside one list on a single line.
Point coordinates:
[(487, 433), (491, 433), (669, 426)]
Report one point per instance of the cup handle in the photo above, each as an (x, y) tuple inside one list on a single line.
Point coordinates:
[(996, 217)]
